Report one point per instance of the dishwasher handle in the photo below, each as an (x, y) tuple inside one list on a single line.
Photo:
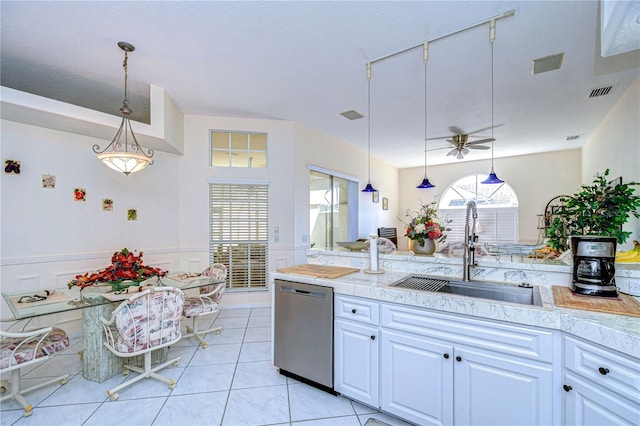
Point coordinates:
[(302, 292)]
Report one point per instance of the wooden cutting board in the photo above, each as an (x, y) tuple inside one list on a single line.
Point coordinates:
[(623, 305), (318, 271)]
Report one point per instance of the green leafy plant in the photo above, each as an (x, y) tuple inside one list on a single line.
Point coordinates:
[(599, 209)]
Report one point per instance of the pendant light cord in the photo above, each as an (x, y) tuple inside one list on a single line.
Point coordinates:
[(425, 108), (492, 142), (126, 79), (369, 126)]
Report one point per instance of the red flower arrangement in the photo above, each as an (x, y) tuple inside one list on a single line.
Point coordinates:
[(425, 225), (124, 266)]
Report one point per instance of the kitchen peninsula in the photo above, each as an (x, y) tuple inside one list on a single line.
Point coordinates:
[(539, 363)]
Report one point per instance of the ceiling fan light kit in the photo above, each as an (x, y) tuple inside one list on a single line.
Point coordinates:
[(369, 187), (124, 154), (425, 184)]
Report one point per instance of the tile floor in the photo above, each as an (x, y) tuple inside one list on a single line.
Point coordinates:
[(231, 382)]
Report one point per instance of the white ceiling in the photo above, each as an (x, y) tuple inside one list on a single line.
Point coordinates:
[(305, 61)]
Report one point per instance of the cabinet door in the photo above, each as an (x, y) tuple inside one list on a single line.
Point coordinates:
[(587, 404), (495, 389), (356, 361), (416, 378)]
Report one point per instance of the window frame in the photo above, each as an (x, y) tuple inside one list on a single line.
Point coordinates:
[(230, 150)]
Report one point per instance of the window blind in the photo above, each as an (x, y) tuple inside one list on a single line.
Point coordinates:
[(239, 232)]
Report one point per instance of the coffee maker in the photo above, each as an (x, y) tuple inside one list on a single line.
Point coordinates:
[(594, 260)]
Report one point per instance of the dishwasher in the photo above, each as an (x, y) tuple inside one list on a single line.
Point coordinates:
[(303, 333)]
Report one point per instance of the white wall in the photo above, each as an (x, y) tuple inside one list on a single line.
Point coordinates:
[(314, 148), (616, 146), (535, 178)]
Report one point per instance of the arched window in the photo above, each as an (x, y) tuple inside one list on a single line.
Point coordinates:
[(497, 209)]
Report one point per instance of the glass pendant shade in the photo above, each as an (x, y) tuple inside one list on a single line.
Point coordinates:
[(369, 188), (124, 162), (124, 154), (493, 178), (425, 184)]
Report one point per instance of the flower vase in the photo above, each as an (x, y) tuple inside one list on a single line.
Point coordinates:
[(428, 248)]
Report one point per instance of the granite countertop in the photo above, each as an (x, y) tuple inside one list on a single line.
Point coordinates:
[(618, 332)]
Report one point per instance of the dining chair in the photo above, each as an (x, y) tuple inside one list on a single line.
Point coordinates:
[(147, 321), (389, 233), (24, 349), (206, 303)]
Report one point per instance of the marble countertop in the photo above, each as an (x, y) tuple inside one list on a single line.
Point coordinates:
[(618, 332)]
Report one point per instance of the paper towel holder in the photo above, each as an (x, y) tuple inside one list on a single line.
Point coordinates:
[(373, 256)]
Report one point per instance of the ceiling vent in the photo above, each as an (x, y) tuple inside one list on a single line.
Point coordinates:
[(601, 91), (352, 115), (548, 63), (573, 137)]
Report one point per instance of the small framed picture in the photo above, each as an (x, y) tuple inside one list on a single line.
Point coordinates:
[(375, 197), (385, 203), (48, 181), (79, 194), (107, 204), (132, 214)]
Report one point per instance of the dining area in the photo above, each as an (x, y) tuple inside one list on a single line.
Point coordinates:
[(127, 327)]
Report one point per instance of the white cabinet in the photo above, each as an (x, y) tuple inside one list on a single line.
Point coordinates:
[(416, 378), (601, 386), (444, 369), (356, 346), (495, 389)]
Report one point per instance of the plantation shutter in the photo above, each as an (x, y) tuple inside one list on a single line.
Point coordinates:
[(239, 232), (499, 225)]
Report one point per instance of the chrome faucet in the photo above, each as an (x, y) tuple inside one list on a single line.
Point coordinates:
[(469, 255)]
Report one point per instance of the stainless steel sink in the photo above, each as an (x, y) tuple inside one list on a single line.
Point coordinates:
[(522, 294)]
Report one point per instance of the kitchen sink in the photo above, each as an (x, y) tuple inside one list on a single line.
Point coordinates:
[(522, 294)]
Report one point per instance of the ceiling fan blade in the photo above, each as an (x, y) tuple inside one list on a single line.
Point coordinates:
[(439, 137), (478, 147), (486, 128), (456, 130), (480, 141), (453, 142)]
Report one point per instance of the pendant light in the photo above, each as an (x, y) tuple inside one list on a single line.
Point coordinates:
[(425, 181), (369, 187), (124, 154), (493, 178)]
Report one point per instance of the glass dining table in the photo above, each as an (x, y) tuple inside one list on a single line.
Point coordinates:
[(99, 364)]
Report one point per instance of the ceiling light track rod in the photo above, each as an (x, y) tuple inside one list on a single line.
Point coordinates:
[(506, 14)]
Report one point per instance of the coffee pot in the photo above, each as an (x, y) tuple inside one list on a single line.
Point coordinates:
[(594, 265)]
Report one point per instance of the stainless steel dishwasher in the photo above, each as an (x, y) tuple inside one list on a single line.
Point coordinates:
[(303, 332)]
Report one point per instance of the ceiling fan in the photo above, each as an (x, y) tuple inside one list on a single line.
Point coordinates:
[(461, 143)]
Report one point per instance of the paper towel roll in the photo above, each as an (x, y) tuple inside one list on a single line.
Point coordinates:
[(373, 251)]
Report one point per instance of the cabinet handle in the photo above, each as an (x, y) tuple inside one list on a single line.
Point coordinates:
[(566, 388), (446, 356), (373, 337), (458, 358), (353, 311), (603, 371)]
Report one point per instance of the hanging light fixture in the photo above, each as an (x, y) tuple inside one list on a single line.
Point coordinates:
[(493, 178), (425, 181), (124, 154), (369, 187)]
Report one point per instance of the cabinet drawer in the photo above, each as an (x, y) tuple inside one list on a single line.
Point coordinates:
[(365, 311), (523, 341), (609, 369)]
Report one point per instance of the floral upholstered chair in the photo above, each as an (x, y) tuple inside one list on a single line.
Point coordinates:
[(24, 349), (206, 303), (146, 321)]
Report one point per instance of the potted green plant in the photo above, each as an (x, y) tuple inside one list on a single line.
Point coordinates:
[(598, 209)]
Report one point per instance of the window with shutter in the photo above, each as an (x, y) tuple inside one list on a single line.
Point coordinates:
[(497, 209), (239, 232)]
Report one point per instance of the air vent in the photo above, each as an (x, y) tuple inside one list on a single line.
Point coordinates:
[(352, 114), (548, 63), (573, 137), (601, 91)]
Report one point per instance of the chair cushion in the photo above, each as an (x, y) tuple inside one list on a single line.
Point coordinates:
[(197, 306), (139, 329), (56, 341)]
